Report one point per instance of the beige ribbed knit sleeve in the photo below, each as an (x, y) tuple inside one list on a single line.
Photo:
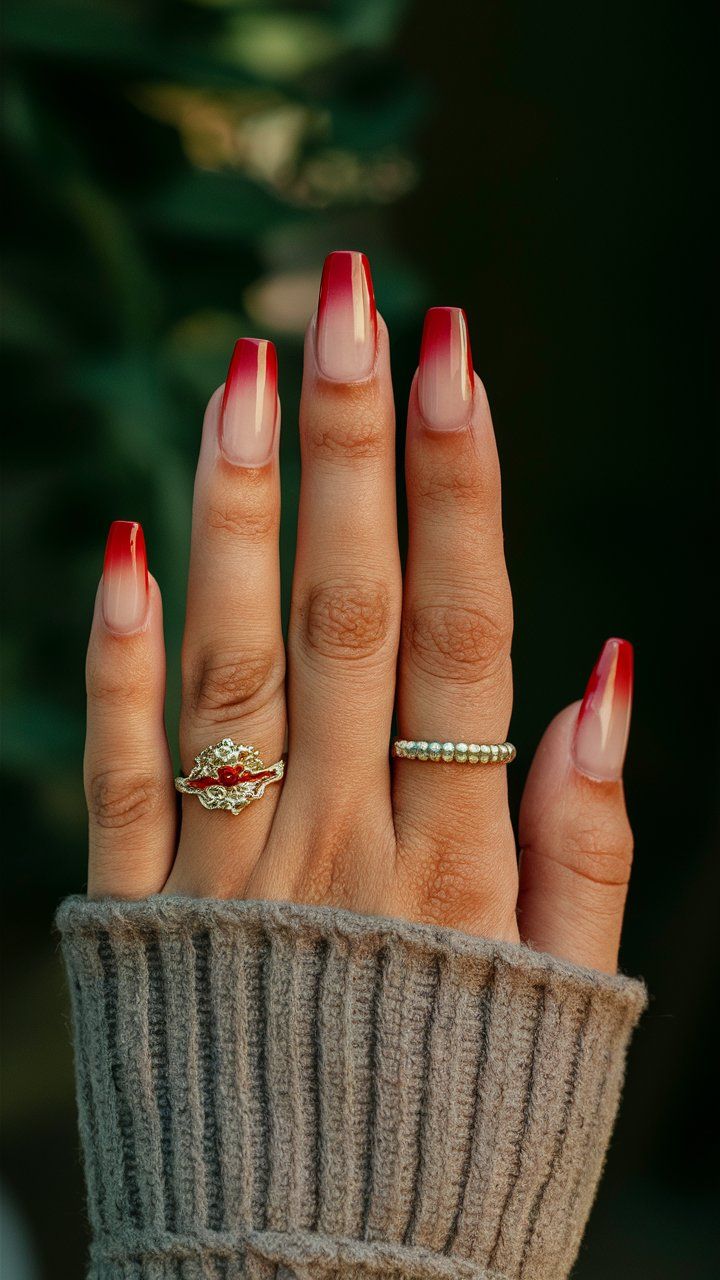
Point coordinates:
[(275, 1091)]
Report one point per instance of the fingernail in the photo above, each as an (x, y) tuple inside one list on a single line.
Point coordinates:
[(346, 327), (445, 380), (125, 578), (249, 410), (604, 720)]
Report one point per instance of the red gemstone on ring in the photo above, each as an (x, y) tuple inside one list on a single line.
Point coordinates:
[(229, 777)]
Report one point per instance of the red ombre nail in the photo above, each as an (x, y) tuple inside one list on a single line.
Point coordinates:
[(346, 327), (445, 379), (249, 411), (604, 720), (125, 578)]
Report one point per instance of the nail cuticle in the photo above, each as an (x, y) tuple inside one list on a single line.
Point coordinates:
[(441, 432), (126, 635), (596, 777)]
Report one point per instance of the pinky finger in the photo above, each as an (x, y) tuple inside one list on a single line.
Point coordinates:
[(575, 837), (128, 773)]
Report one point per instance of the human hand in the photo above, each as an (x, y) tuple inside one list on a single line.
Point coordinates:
[(348, 826)]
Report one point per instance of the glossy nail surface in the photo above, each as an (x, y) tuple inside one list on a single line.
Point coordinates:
[(445, 378), (604, 720), (125, 578), (346, 326), (249, 411)]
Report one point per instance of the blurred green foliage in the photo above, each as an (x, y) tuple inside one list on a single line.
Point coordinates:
[(179, 171)]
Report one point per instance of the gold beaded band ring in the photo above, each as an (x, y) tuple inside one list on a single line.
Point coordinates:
[(229, 776), (460, 752)]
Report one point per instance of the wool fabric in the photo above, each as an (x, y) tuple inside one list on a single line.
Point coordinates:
[(270, 1091)]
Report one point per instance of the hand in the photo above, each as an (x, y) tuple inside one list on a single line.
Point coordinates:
[(348, 827)]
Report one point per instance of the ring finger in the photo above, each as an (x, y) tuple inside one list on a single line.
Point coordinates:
[(454, 681), (233, 654), (345, 613)]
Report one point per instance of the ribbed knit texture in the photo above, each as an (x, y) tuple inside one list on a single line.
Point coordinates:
[(273, 1091)]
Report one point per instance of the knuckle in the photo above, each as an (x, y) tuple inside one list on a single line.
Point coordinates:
[(334, 870), (106, 686), (459, 480), (122, 798), (456, 882), (220, 689), (460, 642), (250, 520), (355, 431), (601, 853), (348, 620), (450, 487), (326, 878), (123, 683)]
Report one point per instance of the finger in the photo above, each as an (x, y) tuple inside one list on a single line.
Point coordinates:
[(455, 681), (233, 653), (128, 773), (346, 588), (574, 832)]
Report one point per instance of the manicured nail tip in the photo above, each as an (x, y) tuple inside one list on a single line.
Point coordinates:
[(125, 577), (125, 548), (346, 326), (249, 410), (604, 719), (446, 380)]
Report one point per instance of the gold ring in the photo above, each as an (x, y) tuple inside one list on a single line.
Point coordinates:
[(229, 776), (460, 752)]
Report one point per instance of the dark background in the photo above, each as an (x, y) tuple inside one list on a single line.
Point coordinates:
[(176, 174)]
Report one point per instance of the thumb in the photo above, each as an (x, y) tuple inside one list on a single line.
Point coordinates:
[(575, 838)]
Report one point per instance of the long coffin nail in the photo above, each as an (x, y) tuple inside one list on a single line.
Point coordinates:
[(249, 411), (445, 380), (125, 578), (604, 720), (346, 327)]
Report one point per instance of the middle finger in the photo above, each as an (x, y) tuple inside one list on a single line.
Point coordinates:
[(345, 613)]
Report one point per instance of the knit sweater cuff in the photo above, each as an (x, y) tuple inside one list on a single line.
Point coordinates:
[(269, 1090)]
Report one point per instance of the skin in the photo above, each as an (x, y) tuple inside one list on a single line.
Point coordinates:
[(349, 827)]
